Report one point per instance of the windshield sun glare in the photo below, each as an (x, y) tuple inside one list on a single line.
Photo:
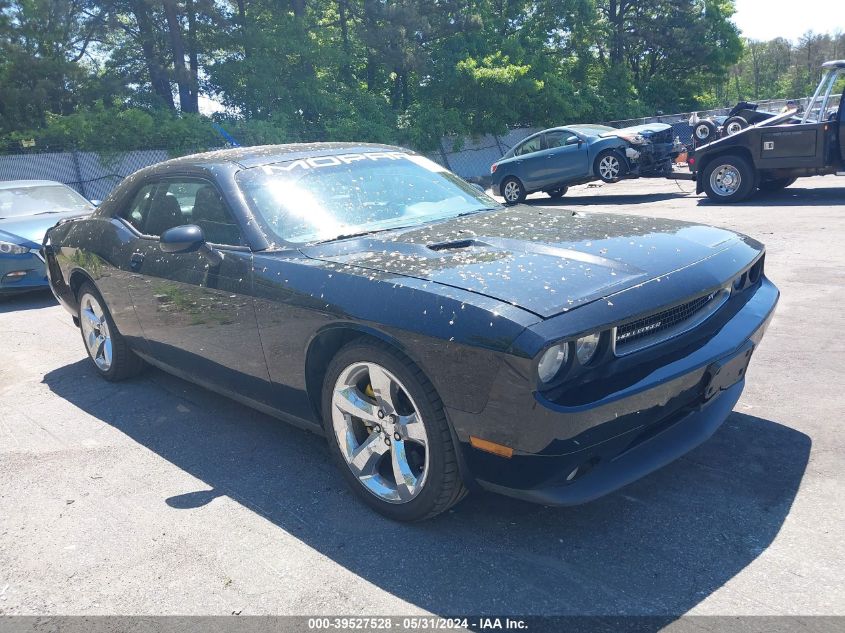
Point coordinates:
[(326, 197)]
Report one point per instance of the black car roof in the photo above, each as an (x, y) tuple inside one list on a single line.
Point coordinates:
[(268, 154)]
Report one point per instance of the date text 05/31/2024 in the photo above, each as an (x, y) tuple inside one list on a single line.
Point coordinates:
[(416, 623)]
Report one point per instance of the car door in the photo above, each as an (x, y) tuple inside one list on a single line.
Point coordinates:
[(566, 158), (529, 162), (196, 314)]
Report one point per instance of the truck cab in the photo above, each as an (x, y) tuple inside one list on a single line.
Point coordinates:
[(774, 153)]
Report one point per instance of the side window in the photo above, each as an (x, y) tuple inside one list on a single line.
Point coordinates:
[(198, 202), (556, 139), (531, 145), (136, 214)]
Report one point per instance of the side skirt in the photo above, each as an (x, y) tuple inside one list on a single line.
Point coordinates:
[(301, 423)]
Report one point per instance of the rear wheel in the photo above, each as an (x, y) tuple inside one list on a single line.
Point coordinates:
[(775, 184), (388, 431), (554, 194), (106, 347), (513, 191), (728, 179), (609, 166)]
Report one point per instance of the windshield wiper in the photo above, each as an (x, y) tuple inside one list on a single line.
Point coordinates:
[(346, 236), (46, 212)]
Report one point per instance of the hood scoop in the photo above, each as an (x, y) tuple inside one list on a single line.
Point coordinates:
[(453, 245), (543, 262)]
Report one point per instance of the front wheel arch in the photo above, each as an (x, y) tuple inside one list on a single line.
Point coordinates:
[(325, 345), (519, 182), (330, 340), (748, 181), (733, 151), (619, 154), (75, 282)]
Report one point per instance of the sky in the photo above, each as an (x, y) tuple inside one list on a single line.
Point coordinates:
[(768, 19)]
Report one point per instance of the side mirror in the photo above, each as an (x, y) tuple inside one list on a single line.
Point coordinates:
[(96, 203), (574, 139), (186, 239), (182, 239)]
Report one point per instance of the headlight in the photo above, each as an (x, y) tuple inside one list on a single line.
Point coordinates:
[(633, 139), (551, 361), (7, 248), (585, 348)]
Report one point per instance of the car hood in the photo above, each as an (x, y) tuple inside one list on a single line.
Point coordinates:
[(646, 128), (32, 228), (544, 261)]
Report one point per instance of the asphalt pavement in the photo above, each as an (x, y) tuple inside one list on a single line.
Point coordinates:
[(154, 496)]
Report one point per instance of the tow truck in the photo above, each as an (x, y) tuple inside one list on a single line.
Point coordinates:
[(775, 152)]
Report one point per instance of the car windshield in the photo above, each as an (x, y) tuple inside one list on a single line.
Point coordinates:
[(330, 197), (592, 130), (22, 201)]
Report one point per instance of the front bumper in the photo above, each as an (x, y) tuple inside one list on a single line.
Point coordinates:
[(19, 273), (567, 455)]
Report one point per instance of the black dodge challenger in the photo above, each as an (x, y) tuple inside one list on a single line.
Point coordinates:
[(439, 340)]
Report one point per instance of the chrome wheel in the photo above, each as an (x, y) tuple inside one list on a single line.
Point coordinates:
[(512, 191), (95, 331), (734, 128), (702, 132), (380, 432), (609, 167), (725, 180)]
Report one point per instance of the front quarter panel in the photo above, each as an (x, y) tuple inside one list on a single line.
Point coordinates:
[(456, 337), (99, 249)]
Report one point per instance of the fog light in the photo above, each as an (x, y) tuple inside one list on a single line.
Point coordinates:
[(16, 274)]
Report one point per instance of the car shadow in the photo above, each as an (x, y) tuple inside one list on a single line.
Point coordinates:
[(30, 300), (794, 196), (658, 547), (606, 199)]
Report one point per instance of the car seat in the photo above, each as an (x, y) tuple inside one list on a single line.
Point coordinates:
[(211, 215), (164, 213)]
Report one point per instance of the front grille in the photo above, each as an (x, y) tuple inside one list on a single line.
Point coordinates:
[(665, 324), (662, 136)]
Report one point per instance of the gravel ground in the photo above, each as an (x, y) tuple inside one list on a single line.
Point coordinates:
[(154, 496)]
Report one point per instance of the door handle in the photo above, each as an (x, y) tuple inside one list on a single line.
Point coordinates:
[(136, 260)]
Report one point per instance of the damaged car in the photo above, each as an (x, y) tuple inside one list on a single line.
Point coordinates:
[(440, 341), (555, 159)]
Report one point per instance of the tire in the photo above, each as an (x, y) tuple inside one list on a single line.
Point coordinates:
[(554, 194), (423, 451), (728, 178), (703, 132), (106, 347), (512, 190), (776, 184), (734, 125), (609, 166)]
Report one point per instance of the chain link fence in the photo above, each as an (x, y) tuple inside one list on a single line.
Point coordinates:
[(95, 174)]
